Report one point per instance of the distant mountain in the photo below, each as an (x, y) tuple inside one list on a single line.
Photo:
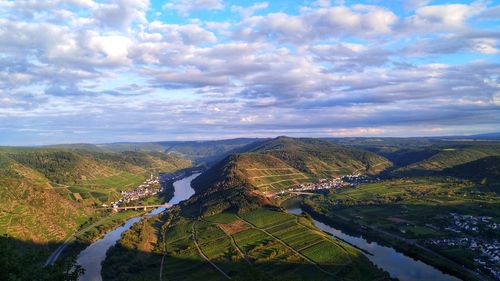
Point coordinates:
[(278, 163), (487, 136), (208, 151), (202, 152)]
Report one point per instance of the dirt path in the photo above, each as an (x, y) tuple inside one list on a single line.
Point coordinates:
[(193, 228), (269, 176), (233, 243), (289, 247)]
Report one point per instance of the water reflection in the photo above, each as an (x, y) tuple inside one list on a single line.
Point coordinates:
[(90, 258), (397, 264)]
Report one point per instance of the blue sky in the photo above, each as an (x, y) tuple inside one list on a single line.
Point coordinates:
[(138, 70)]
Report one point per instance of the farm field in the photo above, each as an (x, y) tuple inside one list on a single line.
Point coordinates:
[(102, 189), (420, 210), (266, 242)]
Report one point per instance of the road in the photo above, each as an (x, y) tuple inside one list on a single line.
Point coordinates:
[(55, 255), (137, 207)]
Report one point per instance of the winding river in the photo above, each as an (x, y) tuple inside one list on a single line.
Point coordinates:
[(398, 265), (90, 258)]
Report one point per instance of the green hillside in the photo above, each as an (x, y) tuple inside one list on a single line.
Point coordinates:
[(198, 151), (276, 164), (451, 156), (485, 171), (264, 243), (30, 209), (45, 192)]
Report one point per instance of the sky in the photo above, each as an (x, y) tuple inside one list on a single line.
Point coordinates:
[(89, 71)]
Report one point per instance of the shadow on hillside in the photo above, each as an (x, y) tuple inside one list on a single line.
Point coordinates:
[(22, 260), (126, 264)]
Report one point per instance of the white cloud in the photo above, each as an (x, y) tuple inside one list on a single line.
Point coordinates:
[(442, 18), (323, 23), (121, 14), (362, 66), (249, 11), (185, 7)]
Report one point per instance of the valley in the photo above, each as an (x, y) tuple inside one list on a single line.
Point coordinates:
[(432, 214)]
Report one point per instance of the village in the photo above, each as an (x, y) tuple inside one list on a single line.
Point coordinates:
[(469, 223), (334, 183), (148, 188), (488, 251), (151, 186)]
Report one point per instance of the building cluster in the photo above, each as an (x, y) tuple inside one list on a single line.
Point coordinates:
[(334, 183), (152, 186), (148, 188), (489, 258), (469, 223)]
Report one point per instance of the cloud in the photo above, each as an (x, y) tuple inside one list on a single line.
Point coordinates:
[(185, 7), (246, 12), (322, 23), (442, 18), (121, 13), (110, 70)]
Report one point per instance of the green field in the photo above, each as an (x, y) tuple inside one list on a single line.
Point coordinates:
[(264, 242), (418, 209)]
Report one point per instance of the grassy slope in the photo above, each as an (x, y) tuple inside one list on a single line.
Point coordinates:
[(452, 156), (260, 244), (30, 209), (485, 171), (281, 162), (416, 208), (239, 231), (39, 187)]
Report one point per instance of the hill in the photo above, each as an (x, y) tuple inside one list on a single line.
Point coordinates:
[(228, 228), (449, 157), (485, 171), (45, 192), (201, 152), (30, 209), (272, 165)]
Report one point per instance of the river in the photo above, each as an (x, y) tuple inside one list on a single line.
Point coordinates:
[(92, 256), (398, 265)]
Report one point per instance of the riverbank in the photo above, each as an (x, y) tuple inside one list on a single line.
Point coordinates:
[(98, 226), (90, 258), (413, 251)]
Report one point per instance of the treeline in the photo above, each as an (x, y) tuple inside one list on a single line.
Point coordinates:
[(57, 166), (24, 265), (68, 166)]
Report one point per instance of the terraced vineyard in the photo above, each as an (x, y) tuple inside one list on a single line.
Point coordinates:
[(282, 162), (44, 193), (264, 242), (275, 179)]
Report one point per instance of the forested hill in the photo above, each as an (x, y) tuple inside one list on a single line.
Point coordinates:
[(278, 163), (449, 157), (200, 152), (485, 171), (44, 192)]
